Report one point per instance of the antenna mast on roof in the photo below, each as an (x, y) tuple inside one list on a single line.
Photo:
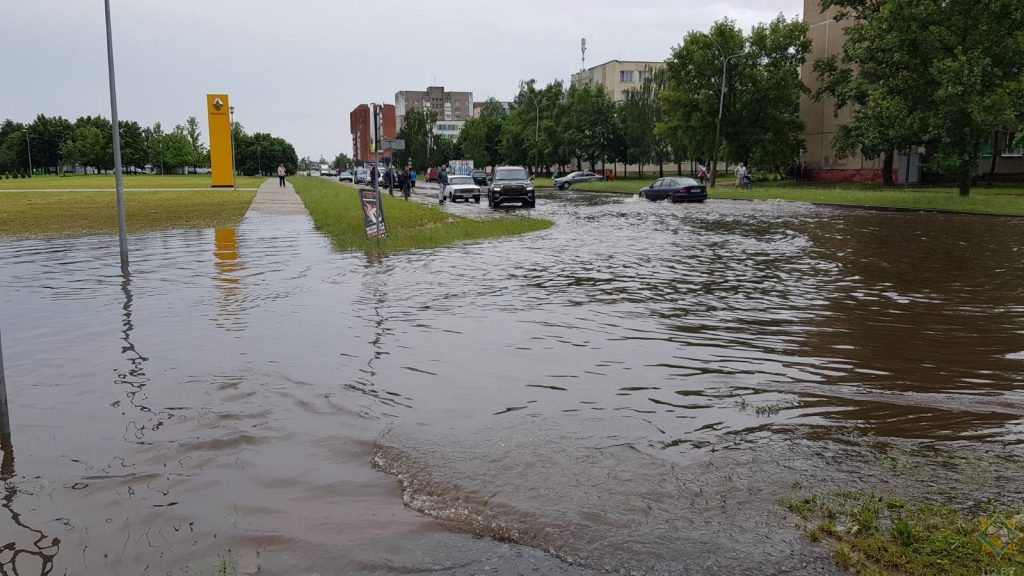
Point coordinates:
[(583, 53)]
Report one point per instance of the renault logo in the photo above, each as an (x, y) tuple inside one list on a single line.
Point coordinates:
[(218, 104)]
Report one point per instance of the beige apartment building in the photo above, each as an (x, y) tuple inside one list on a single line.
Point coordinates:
[(451, 108), (821, 122), (617, 76)]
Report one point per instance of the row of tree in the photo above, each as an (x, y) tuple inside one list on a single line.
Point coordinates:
[(942, 74), (56, 144), (670, 116)]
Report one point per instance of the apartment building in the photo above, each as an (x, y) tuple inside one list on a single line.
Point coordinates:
[(821, 122), (450, 108), (359, 124), (617, 76)]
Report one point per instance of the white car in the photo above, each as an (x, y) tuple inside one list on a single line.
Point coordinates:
[(462, 187)]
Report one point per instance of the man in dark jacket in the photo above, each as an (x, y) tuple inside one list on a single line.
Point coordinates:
[(442, 182)]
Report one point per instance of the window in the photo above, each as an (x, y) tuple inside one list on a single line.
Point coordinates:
[(645, 75), (626, 76), (1009, 149)]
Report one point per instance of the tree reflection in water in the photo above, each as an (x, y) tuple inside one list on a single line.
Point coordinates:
[(29, 551)]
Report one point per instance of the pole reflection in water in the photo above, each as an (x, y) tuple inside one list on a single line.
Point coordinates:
[(28, 551), (227, 280), (135, 377)]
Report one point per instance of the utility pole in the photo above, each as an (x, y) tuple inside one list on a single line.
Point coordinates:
[(122, 229), (721, 105), (28, 144)]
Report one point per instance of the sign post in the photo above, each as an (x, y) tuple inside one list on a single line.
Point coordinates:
[(373, 216)]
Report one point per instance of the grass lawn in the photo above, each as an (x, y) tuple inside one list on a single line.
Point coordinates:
[(995, 200), (36, 214), (336, 212), (877, 536), (106, 182)]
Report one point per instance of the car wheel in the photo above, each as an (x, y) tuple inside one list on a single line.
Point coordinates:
[(530, 204), (490, 201), (561, 187), (476, 199), (673, 199)]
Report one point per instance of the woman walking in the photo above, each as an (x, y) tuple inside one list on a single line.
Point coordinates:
[(280, 174)]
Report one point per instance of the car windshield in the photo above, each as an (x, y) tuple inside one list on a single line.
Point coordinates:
[(511, 174), (460, 180), (574, 174)]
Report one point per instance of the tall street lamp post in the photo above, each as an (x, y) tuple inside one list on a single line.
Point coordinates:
[(536, 134), (122, 229), (28, 144), (721, 104)]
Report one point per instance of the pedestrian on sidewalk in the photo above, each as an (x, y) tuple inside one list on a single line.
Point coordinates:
[(280, 174), (442, 182), (403, 183), (412, 178), (702, 173)]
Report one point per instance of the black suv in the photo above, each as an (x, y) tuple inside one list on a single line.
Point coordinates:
[(510, 184), (479, 177)]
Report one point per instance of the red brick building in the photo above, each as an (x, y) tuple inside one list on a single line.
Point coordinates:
[(359, 121)]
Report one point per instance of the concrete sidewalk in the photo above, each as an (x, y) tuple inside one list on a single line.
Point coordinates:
[(275, 200)]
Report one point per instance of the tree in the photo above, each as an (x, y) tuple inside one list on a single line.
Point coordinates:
[(13, 149), (418, 132), (473, 142), (133, 144), (944, 74), (47, 134), (341, 162), (156, 146), (760, 107)]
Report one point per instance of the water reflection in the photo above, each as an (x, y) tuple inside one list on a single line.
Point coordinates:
[(134, 378), (227, 280), (29, 551)]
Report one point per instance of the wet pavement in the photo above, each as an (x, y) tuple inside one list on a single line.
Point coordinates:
[(632, 390)]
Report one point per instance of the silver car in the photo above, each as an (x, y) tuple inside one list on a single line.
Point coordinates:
[(575, 178)]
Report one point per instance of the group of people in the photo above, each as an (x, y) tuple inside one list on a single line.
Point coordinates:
[(743, 178), (404, 180)]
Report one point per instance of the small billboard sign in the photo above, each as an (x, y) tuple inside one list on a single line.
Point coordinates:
[(373, 215)]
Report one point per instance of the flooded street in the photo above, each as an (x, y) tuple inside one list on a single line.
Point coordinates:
[(633, 390)]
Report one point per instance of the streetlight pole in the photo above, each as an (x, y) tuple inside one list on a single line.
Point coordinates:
[(721, 105), (231, 120), (536, 134), (122, 229), (28, 144)]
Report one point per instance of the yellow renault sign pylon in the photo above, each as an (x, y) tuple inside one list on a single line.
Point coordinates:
[(221, 154)]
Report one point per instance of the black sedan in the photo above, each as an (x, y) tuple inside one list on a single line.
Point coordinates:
[(479, 177), (676, 189)]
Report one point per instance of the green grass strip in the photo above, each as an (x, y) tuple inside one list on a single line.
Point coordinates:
[(49, 214), (877, 536), (336, 212), (131, 181)]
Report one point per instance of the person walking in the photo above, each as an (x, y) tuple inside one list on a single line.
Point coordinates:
[(403, 183), (412, 178), (281, 172), (442, 182), (702, 173), (741, 173)]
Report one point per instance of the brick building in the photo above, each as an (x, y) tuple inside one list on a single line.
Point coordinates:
[(359, 123)]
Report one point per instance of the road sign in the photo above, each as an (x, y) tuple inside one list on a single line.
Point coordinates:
[(393, 144)]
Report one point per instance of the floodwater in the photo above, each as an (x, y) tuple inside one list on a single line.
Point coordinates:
[(631, 391)]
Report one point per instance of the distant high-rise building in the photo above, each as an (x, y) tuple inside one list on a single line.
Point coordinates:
[(359, 122), (617, 76), (450, 108)]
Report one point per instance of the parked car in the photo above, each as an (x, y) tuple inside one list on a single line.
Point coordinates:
[(511, 184), (462, 188), (575, 178), (432, 175), (676, 189), (479, 177), (362, 176), (345, 176)]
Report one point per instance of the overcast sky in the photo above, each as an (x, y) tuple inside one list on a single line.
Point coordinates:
[(296, 69)]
